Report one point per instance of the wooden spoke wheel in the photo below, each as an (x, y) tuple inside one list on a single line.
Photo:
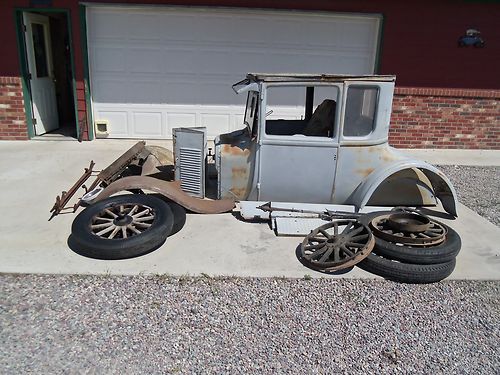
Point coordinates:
[(337, 245), (121, 227)]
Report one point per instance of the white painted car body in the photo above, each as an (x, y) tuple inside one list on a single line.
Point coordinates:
[(348, 161)]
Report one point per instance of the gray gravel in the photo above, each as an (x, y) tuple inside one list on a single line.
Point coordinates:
[(478, 188), (152, 325), (157, 325)]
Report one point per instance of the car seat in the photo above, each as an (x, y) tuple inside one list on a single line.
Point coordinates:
[(322, 121)]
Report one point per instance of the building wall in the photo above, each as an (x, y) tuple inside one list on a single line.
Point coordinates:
[(445, 118), (12, 116), (419, 45), (10, 64), (419, 36)]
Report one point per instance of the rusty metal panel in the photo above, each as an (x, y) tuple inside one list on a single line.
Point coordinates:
[(235, 163), (170, 190), (110, 173)]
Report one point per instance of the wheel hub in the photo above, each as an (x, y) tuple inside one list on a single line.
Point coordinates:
[(123, 220), (421, 231), (409, 222)]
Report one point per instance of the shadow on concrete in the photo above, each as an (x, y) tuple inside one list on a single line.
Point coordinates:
[(86, 252)]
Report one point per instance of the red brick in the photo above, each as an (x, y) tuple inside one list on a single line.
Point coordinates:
[(11, 94), (437, 114)]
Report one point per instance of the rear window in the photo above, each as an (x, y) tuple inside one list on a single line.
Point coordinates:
[(361, 106)]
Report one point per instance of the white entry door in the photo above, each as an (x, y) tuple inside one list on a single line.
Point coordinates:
[(41, 69)]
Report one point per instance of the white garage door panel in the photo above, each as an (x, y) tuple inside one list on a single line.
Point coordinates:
[(188, 119), (118, 118), (153, 69), (146, 123)]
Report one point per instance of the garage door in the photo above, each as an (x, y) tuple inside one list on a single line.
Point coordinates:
[(156, 68)]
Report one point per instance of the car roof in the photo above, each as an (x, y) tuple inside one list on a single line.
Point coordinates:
[(295, 77)]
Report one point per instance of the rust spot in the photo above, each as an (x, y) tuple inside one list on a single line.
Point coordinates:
[(386, 155), (229, 149), (238, 173), (364, 172), (171, 190), (387, 158), (239, 193), (239, 180)]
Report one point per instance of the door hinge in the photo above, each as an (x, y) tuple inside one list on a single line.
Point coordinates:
[(24, 28), (34, 121), (29, 76)]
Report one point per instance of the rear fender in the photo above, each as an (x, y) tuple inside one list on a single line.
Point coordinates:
[(441, 185)]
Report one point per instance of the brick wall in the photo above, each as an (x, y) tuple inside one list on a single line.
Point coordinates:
[(445, 118), (421, 117), (12, 116)]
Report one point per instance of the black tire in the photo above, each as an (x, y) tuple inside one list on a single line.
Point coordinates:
[(405, 272), (85, 242), (441, 253), (179, 213)]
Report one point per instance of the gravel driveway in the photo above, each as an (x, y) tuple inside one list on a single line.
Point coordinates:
[(152, 325), (478, 188)]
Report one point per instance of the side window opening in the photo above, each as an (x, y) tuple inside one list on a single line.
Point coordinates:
[(361, 107), (297, 110)]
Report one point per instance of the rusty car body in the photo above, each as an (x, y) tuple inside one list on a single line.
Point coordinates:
[(306, 138), (323, 139)]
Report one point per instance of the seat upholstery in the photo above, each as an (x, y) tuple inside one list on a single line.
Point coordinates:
[(322, 121)]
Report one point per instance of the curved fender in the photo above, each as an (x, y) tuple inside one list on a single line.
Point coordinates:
[(171, 190), (443, 189)]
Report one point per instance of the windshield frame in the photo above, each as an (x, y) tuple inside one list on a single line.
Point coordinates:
[(251, 111)]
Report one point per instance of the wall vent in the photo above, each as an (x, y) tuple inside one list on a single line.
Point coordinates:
[(101, 128)]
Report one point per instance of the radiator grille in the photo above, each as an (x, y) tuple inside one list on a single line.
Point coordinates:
[(191, 171)]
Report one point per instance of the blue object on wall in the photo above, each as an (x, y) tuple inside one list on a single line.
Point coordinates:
[(471, 38)]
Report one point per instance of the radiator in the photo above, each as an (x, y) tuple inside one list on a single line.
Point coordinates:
[(190, 149)]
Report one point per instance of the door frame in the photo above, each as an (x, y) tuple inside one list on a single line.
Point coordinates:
[(23, 61), (264, 139), (87, 91)]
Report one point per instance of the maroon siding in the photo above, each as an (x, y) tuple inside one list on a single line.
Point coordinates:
[(419, 37)]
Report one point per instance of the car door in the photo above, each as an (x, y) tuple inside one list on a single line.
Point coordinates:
[(41, 73), (297, 154)]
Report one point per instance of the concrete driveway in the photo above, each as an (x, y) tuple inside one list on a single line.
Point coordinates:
[(33, 173)]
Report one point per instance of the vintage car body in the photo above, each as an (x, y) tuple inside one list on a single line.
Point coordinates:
[(340, 156), (306, 139), (322, 156)]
